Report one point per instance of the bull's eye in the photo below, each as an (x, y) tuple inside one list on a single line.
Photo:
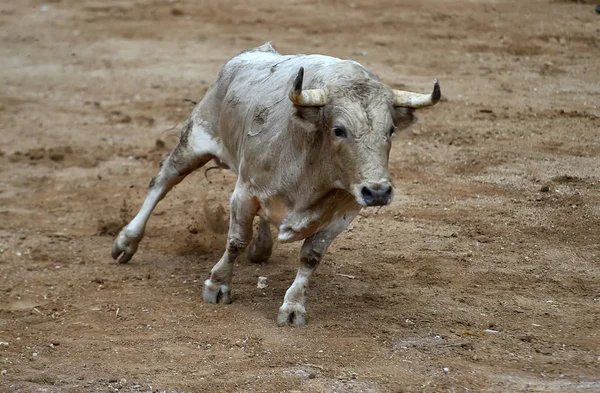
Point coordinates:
[(340, 132), (392, 131)]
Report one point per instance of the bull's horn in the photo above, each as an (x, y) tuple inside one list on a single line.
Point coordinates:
[(313, 97), (414, 100)]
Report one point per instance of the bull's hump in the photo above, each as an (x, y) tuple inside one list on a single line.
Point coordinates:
[(266, 47)]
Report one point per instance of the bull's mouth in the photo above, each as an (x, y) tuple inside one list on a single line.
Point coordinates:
[(374, 193)]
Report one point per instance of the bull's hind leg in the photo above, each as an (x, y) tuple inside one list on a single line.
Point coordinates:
[(262, 245), (243, 209), (185, 158)]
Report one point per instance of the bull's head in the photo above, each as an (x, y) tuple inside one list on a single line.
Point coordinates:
[(359, 117)]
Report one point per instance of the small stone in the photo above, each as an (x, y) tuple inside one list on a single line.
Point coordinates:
[(262, 283), (446, 370), (545, 188), (122, 381), (3, 372), (312, 376)]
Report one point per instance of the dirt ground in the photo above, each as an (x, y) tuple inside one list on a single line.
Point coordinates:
[(483, 275)]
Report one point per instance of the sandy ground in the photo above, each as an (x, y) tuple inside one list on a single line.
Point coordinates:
[(487, 263)]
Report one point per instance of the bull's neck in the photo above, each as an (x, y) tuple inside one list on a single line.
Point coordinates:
[(318, 175)]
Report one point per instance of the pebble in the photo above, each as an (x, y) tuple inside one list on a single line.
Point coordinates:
[(3, 372), (446, 370), (262, 282)]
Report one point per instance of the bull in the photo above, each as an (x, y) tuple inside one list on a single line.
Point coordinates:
[(309, 138)]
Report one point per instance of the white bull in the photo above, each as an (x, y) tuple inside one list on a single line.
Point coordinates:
[(309, 138)]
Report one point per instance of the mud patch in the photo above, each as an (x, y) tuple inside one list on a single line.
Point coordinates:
[(60, 156)]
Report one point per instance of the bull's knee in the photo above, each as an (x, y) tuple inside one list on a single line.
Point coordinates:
[(311, 259), (236, 245)]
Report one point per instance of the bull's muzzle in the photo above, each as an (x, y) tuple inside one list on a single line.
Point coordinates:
[(377, 194)]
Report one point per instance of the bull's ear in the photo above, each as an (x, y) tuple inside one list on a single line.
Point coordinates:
[(313, 97), (404, 117)]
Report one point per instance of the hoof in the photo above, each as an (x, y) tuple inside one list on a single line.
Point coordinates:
[(213, 293), (292, 314), (125, 246)]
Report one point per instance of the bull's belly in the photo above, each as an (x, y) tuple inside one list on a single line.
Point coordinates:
[(294, 225)]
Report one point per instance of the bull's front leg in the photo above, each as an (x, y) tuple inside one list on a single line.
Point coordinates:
[(293, 310), (243, 210)]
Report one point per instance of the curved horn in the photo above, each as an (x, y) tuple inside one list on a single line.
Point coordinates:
[(415, 100), (313, 97)]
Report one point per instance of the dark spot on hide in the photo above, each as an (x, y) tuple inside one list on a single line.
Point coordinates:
[(312, 259), (274, 67), (233, 101), (177, 159), (152, 183), (266, 167), (261, 114), (185, 134), (162, 162)]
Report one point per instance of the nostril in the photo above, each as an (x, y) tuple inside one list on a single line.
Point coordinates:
[(366, 193), (387, 191)]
